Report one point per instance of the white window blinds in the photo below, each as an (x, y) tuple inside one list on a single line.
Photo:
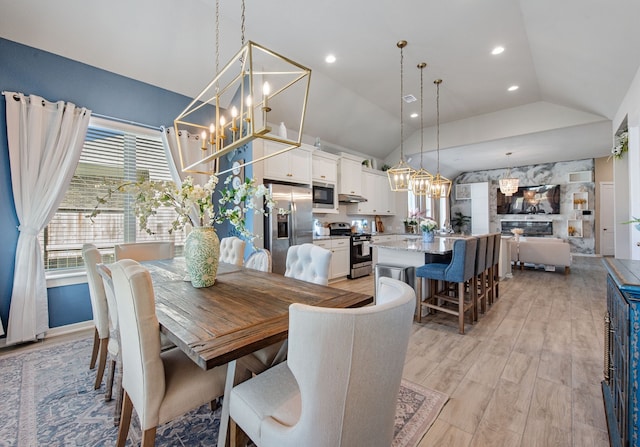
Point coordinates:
[(113, 153)]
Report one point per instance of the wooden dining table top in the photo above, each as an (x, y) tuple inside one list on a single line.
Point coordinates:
[(244, 311)]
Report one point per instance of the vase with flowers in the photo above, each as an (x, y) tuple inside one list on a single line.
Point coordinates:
[(193, 205), (621, 145), (428, 227)]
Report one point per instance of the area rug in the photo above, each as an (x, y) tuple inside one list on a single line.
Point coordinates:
[(47, 398)]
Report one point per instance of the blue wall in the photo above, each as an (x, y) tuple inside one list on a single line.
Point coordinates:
[(32, 71)]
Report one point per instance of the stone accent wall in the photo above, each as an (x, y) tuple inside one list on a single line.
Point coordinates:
[(533, 175)]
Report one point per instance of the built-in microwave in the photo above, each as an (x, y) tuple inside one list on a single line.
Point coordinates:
[(323, 195)]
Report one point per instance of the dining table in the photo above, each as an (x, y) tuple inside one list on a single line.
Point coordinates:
[(244, 311)]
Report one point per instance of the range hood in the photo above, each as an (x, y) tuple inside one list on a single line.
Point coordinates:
[(350, 198)]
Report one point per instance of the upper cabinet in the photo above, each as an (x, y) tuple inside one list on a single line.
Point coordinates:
[(292, 166), (350, 175), (375, 188), (325, 167)]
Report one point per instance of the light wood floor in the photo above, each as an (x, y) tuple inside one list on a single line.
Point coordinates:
[(527, 373)]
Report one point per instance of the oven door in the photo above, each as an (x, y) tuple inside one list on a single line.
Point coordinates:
[(360, 258)]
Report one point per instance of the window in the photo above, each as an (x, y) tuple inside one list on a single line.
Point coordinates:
[(113, 153)]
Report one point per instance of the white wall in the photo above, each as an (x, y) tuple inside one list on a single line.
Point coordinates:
[(627, 175)]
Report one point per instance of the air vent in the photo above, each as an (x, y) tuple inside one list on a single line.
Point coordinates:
[(409, 98)]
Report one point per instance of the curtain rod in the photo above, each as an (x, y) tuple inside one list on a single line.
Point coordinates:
[(120, 120)]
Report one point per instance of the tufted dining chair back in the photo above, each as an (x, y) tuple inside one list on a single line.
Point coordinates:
[(159, 385), (259, 260), (145, 251), (339, 386), (232, 250), (92, 258), (308, 262)]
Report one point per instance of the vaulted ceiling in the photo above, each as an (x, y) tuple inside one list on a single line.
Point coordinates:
[(573, 61)]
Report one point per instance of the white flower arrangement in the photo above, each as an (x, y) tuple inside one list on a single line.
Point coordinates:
[(193, 204), (621, 145), (428, 225)]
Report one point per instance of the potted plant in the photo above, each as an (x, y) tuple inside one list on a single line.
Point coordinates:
[(460, 221)]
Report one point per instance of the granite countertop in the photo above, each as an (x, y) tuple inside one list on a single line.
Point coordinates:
[(328, 238), (440, 245)]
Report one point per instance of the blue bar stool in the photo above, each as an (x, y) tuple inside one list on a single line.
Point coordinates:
[(478, 282), (460, 270)]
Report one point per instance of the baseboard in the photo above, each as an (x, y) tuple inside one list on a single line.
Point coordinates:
[(68, 329)]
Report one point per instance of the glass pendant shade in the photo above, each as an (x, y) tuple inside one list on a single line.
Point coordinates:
[(509, 185), (421, 182)]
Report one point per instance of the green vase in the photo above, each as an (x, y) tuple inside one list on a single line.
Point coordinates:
[(201, 255)]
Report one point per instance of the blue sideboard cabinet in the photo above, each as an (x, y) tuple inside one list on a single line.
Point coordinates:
[(622, 352)]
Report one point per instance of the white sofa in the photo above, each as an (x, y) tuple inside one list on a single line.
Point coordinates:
[(546, 251)]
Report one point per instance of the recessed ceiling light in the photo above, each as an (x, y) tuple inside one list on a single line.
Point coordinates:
[(513, 88), (414, 115), (330, 59), (497, 50)]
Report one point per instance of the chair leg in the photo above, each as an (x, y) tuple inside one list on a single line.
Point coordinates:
[(461, 287), (102, 362), (567, 270), (238, 437), (96, 348), (110, 375), (119, 393), (125, 420), (149, 437), (418, 316)]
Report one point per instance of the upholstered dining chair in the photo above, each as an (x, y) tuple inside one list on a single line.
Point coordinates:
[(102, 343), (495, 268), (340, 384), (232, 250), (488, 270), (145, 251), (259, 260), (308, 262), (460, 270), (159, 385)]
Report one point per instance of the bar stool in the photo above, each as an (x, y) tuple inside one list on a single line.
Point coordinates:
[(495, 268), (478, 281), (460, 270), (488, 271)]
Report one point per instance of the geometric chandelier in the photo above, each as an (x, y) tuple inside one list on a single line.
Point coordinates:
[(400, 175), (509, 185), (253, 90), (440, 186), (421, 179)]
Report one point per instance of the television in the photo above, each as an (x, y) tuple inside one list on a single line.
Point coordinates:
[(543, 199)]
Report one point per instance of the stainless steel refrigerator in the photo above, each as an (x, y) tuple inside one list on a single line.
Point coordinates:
[(293, 227)]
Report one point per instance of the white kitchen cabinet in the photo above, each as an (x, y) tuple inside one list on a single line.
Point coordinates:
[(292, 166), (380, 238), (350, 174), (375, 188), (479, 208), (325, 167), (339, 248)]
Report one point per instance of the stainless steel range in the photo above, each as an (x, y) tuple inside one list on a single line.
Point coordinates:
[(360, 259)]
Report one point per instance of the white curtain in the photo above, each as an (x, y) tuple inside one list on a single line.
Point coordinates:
[(191, 145), (45, 143)]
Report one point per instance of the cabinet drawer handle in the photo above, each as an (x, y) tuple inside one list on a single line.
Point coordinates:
[(322, 176), (289, 175)]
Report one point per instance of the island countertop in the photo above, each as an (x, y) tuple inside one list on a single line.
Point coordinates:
[(440, 245)]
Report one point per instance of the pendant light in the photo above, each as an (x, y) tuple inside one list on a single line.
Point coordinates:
[(440, 186), (253, 89), (400, 175), (421, 180), (509, 185)]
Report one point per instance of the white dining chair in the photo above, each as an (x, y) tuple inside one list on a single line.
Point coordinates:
[(339, 386), (308, 262), (159, 385), (102, 342), (259, 260), (232, 250), (145, 251)]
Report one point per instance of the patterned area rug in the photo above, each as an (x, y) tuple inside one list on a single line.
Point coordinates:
[(48, 399)]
